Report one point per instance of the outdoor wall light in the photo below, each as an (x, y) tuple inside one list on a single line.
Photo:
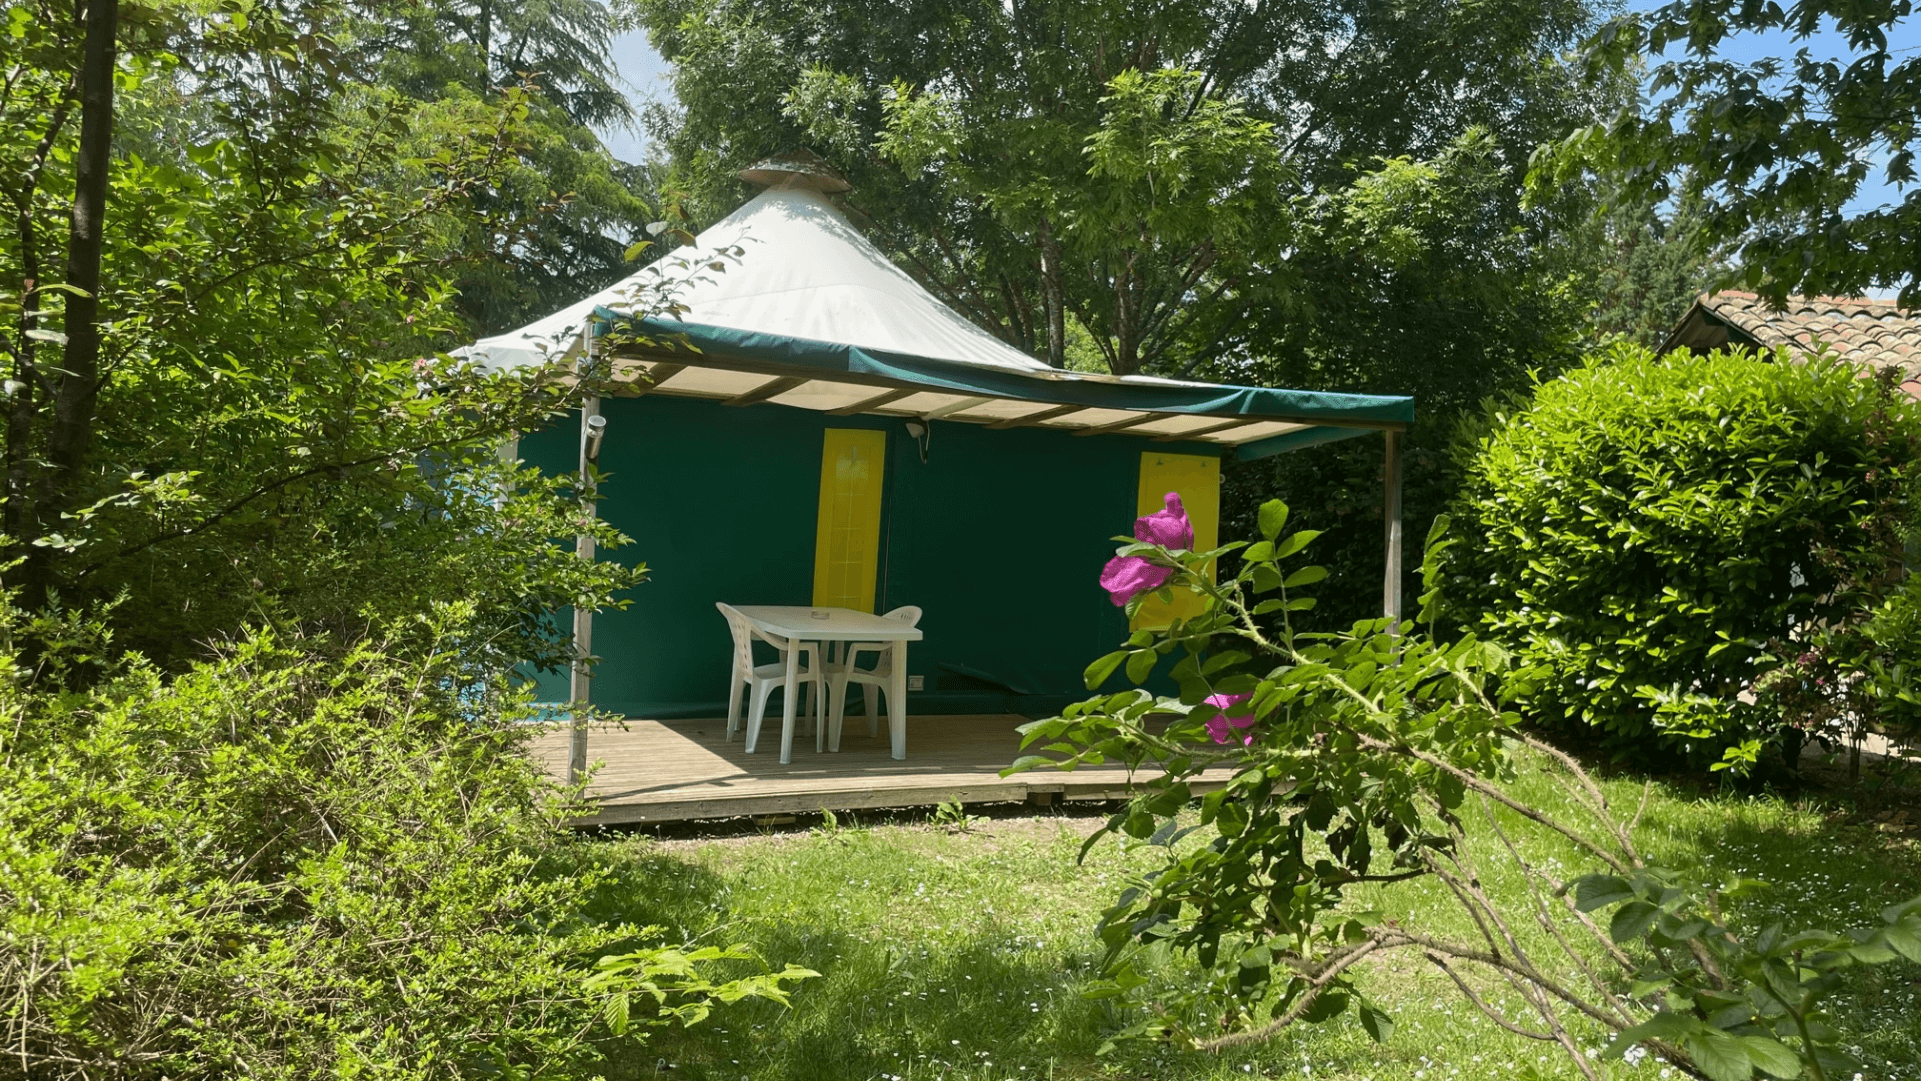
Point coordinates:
[(596, 428), (920, 432)]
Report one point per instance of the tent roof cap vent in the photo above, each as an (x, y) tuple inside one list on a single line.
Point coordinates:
[(797, 169)]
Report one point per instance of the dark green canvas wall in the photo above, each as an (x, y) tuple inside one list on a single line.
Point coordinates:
[(999, 536)]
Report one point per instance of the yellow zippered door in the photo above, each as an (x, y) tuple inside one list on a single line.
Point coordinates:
[(847, 533)]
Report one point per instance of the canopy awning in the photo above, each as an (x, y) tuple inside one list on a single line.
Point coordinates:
[(742, 367), (785, 301)]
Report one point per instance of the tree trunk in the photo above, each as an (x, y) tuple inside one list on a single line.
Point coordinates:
[(484, 37), (1053, 295), (22, 516), (1126, 319), (77, 394)]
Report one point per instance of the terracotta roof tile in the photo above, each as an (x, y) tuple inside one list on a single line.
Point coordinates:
[(1871, 333)]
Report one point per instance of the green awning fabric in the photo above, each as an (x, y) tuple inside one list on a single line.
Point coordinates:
[(1337, 416)]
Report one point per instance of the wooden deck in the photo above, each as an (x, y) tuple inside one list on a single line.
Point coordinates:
[(668, 771)]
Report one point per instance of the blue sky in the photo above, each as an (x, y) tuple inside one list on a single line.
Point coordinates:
[(644, 74)]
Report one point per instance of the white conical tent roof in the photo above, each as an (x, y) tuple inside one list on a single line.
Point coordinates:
[(789, 265)]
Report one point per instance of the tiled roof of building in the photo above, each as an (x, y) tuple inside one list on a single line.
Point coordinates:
[(1870, 333)]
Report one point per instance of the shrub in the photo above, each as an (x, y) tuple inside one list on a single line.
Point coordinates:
[(302, 860), (1652, 530)]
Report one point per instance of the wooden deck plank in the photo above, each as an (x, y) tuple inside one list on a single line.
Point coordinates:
[(667, 771)]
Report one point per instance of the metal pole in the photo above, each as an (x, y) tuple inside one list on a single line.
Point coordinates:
[(581, 682), (1391, 511)]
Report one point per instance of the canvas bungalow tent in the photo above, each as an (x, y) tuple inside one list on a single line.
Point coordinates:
[(842, 438)]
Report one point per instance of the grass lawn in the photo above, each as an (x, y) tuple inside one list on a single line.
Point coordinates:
[(962, 953)]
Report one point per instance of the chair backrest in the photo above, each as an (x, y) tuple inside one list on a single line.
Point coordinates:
[(743, 633), (906, 613)]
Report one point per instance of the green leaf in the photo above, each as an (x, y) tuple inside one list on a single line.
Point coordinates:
[(1772, 1056), (1140, 664), (1306, 576), (1599, 891), (1027, 762), (1904, 939), (1377, 1023), (1721, 1056), (1098, 672), (1632, 920), (617, 1013), (1662, 1026), (1295, 543), (1326, 1008), (1273, 518)]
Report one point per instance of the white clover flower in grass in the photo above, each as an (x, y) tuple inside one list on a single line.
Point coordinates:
[(1635, 1054)]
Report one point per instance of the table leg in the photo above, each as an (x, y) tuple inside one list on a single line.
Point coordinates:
[(897, 701), (836, 710), (787, 703)]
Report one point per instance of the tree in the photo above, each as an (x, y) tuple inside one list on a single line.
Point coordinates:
[(576, 208), (1772, 152), (266, 435), (1422, 277), (279, 582), (1046, 200), (1175, 197), (1658, 264)]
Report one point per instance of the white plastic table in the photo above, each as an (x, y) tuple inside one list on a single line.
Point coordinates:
[(835, 625)]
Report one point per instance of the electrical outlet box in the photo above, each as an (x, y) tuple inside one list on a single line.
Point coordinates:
[(916, 683)]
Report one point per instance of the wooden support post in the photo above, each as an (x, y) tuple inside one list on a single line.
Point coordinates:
[(580, 684), (1391, 511)]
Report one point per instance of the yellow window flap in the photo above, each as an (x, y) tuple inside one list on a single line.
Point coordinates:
[(1197, 477)]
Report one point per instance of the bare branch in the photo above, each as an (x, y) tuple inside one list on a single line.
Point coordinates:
[(1316, 985), (1486, 1010)]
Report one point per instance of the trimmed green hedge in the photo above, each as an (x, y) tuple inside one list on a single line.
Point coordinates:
[(1648, 528)]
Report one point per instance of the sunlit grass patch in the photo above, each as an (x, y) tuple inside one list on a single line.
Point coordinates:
[(965, 954)]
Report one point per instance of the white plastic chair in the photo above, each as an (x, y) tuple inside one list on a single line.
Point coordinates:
[(873, 680), (762, 679)]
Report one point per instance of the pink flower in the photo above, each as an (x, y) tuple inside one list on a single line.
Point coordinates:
[(1168, 528), (1127, 577), (1222, 724)]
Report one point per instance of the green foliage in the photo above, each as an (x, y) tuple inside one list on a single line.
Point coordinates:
[(1353, 767), (1853, 672), (272, 437), (1647, 530), (1360, 759), (673, 986), (553, 224), (1893, 631), (267, 806), (1739, 1004), (953, 818), (1130, 172), (969, 954), (1659, 264), (305, 859), (1775, 150), (1419, 278)]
